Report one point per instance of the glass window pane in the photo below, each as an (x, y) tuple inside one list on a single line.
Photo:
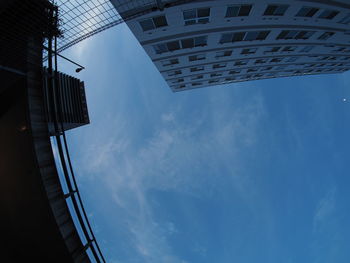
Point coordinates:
[(270, 10), (190, 22), (249, 50), (203, 20), (328, 14), (203, 12), (160, 48), (307, 11), (345, 20), (147, 24), (262, 35), (232, 11), (226, 38), (189, 14), (187, 43), (281, 10), (200, 41), (238, 36), (173, 45), (251, 36), (160, 21), (326, 35), (245, 10)]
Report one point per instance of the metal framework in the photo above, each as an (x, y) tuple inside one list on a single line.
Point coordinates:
[(81, 19)]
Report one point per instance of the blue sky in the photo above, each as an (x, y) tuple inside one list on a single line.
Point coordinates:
[(248, 172)]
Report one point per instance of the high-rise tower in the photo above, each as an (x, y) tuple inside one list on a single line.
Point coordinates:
[(202, 43)]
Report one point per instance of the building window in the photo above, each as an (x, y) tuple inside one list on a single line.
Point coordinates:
[(252, 70), (260, 61), (275, 10), (153, 23), (294, 34), (184, 43), (328, 58), (238, 10), (281, 68), (196, 83), (194, 42), (257, 75), (306, 11), (328, 14), (306, 49), (243, 36), (276, 60), (197, 77), (196, 57), (345, 20), (173, 45), (326, 35), (233, 72), (232, 37), (289, 48), (195, 69), (215, 75), (196, 16), (180, 87), (292, 59), (230, 79), (160, 48), (266, 68), (241, 63), (341, 49), (178, 80), (174, 73), (247, 51), (225, 53), (256, 35), (247, 76), (213, 81), (219, 65), (272, 49), (170, 62)]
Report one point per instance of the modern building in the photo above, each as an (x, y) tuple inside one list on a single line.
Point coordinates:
[(73, 103), (204, 42)]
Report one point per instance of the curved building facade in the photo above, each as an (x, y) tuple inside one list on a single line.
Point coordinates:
[(203, 43)]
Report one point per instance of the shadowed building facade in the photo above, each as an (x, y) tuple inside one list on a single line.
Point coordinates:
[(36, 222), (73, 102), (203, 43)]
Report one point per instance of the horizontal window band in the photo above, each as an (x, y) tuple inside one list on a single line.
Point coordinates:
[(303, 43)]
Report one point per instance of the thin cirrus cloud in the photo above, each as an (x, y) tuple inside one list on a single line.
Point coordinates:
[(173, 158)]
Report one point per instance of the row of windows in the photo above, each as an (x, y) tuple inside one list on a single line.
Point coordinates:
[(227, 53), (181, 44), (243, 36), (257, 76), (262, 35), (311, 65), (262, 70), (257, 62), (202, 15), (237, 37), (268, 50)]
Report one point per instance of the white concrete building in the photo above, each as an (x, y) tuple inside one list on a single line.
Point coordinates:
[(203, 42)]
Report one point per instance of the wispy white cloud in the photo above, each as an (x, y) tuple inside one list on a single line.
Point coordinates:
[(172, 159), (325, 210)]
